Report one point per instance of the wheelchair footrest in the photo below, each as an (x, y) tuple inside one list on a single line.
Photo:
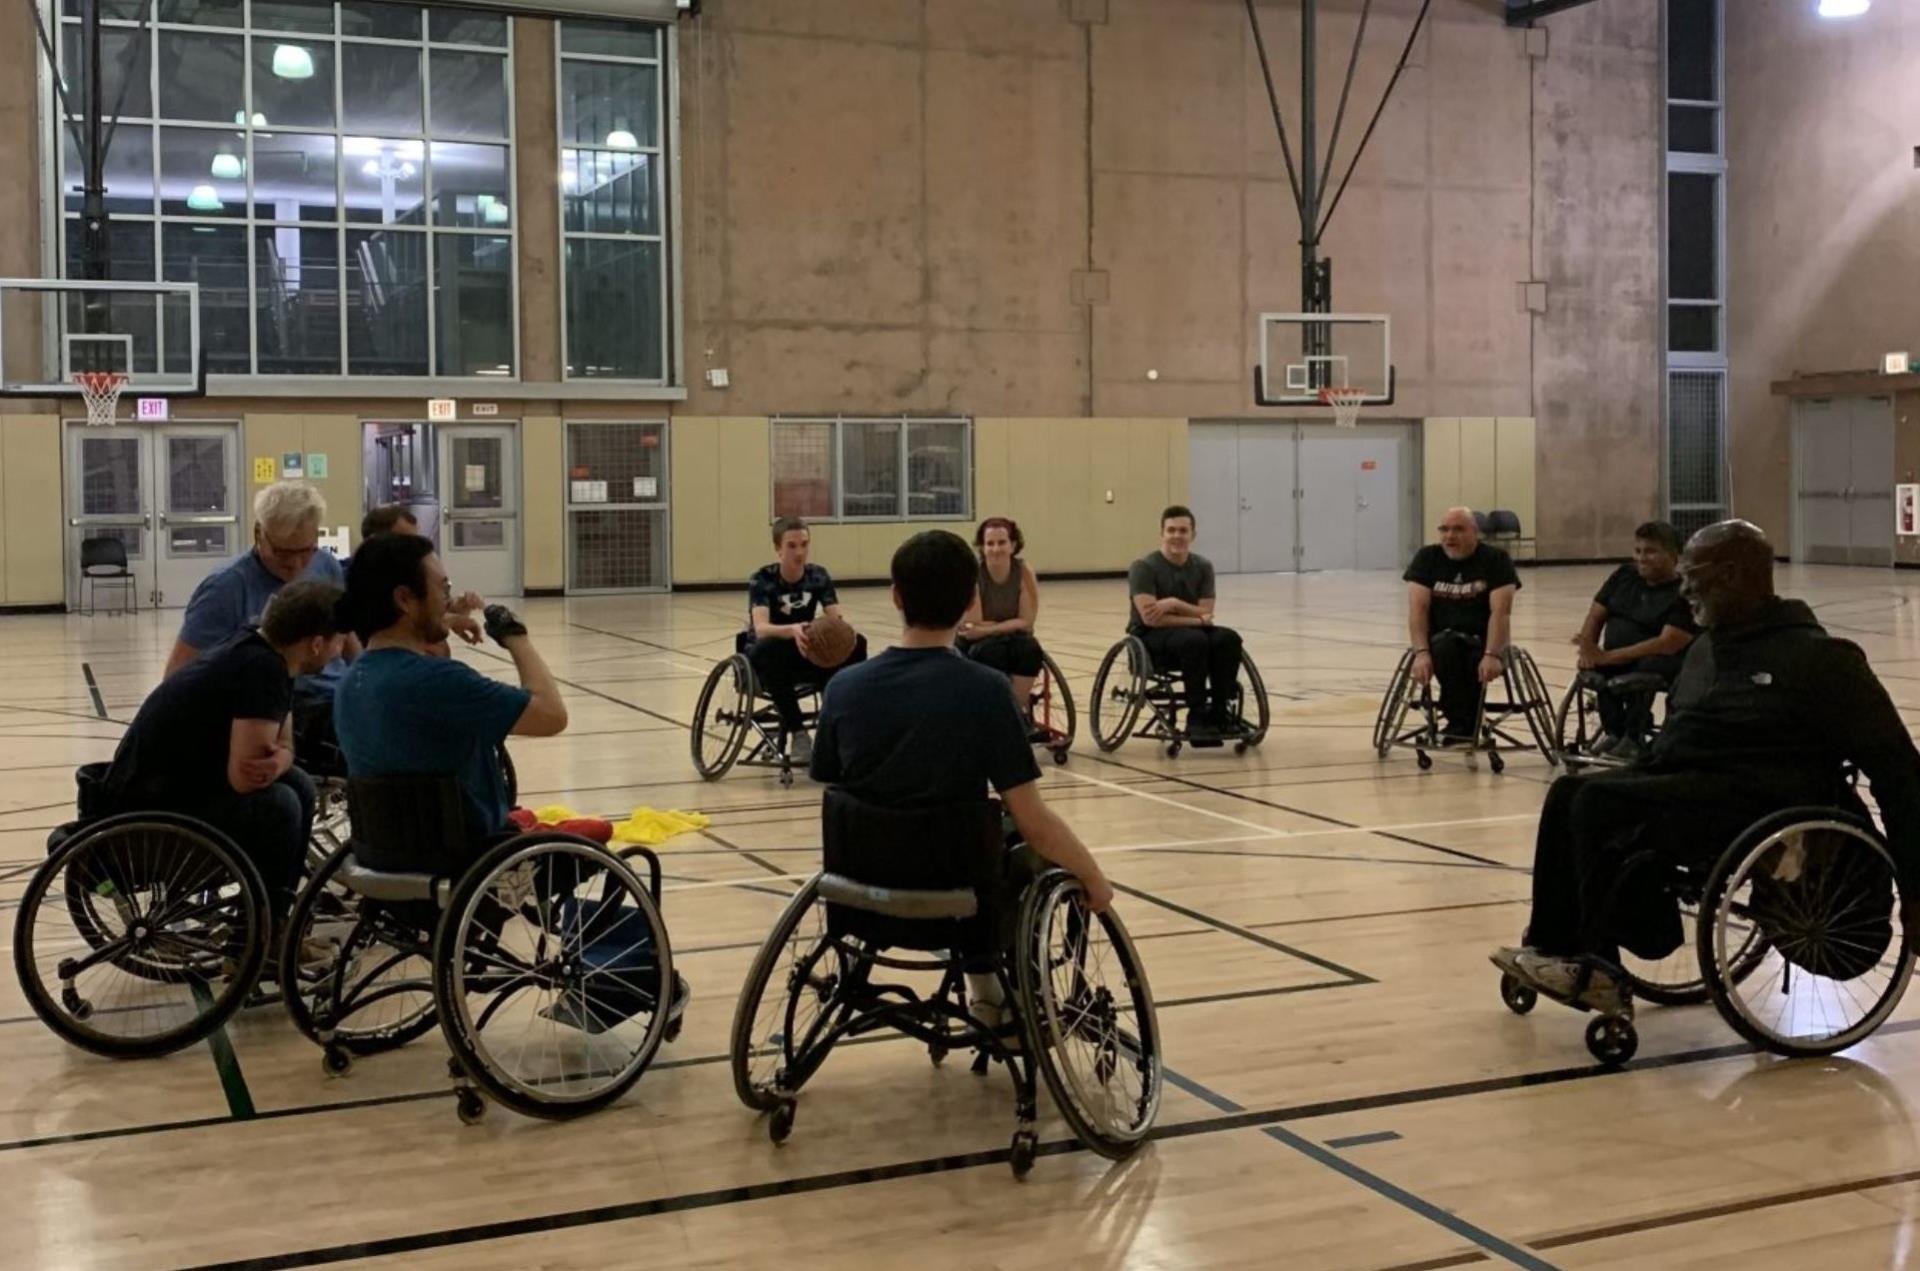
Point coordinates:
[(836, 889)]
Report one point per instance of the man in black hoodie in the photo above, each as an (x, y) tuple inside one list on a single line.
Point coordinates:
[(1766, 710)]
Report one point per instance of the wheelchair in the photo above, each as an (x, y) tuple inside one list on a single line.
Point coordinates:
[(883, 939), (1577, 728), (1134, 697), (733, 710), (1523, 699), (142, 932), (542, 957), (1794, 933), (331, 825), (1050, 706)]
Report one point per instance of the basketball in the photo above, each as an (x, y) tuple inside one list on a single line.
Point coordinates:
[(829, 641)]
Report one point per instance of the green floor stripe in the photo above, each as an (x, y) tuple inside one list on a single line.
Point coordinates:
[(239, 1098)]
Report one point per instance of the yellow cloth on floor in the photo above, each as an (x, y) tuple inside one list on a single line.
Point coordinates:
[(652, 827)]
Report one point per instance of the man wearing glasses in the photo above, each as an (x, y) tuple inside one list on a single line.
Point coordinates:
[(286, 548), (1460, 618)]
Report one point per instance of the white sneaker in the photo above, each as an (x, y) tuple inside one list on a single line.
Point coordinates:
[(1556, 977), (800, 749)]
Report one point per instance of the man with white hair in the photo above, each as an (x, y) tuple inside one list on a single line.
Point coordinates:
[(286, 548), (1460, 617)]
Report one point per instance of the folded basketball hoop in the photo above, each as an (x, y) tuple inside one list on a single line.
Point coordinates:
[(101, 391), (1346, 404)]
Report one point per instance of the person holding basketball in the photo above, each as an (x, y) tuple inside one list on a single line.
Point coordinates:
[(997, 630), (783, 600)]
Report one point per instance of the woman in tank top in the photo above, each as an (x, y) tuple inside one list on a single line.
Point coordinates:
[(998, 628)]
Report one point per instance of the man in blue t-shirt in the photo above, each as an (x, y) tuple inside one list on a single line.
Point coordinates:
[(402, 710), (286, 548), (782, 599)]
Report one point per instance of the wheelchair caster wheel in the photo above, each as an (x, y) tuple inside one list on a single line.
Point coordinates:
[(337, 1061), (1060, 758), (1424, 759), (780, 1124), (471, 1107), (1025, 1145), (1240, 747), (937, 1053), (1519, 998), (786, 776), (672, 1031), (454, 1069), (1496, 763), (1612, 1039), (1173, 750), (78, 1007), (981, 1059)]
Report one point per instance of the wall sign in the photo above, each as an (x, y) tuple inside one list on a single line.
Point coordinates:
[(1906, 509)]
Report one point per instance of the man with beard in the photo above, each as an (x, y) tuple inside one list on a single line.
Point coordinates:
[(401, 709)]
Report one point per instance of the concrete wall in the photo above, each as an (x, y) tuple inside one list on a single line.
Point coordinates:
[(1823, 221)]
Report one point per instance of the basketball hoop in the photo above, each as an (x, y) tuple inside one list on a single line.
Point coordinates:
[(1346, 404), (101, 391)]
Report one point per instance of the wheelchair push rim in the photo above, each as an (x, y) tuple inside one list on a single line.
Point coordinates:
[(1118, 704), (787, 997), (140, 936), (1394, 706), (553, 975), (1090, 1017), (374, 990), (1836, 966), (720, 719), (1252, 688)]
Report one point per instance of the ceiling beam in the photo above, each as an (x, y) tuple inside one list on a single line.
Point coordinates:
[(1521, 12)]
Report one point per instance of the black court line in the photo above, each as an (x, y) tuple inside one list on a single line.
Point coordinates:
[(1325, 856), (761, 861), (1362, 1140), (633, 639), (1387, 913), (1312, 816), (93, 690), (1348, 974), (225, 1062)]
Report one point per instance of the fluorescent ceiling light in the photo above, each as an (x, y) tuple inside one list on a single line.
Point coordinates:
[(228, 167), (290, 61), (240, 117), (203, 198), (621, 139), (1844, 8)]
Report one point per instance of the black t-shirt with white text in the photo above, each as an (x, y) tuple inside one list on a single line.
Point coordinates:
[(1462, 589), (788, 603), (919, 728), (1638, 610), (174, 754)]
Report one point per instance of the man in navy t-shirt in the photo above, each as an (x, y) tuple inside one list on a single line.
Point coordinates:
[(782, 599), (402, 710), (286, 548)]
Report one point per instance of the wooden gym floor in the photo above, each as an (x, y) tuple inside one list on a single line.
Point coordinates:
[(1344, 1087)]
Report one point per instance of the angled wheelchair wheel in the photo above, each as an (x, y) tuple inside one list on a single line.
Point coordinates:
[(140, 935), (1675, 980), (1051, 705), (1393, 707), (553, 975), (1576, 725), (720, 718), (510, 777), (1089, 1016), (1533, 700), (1119, 690), (1252, 691), (357, 973), (1822, 888), (786, 1004)]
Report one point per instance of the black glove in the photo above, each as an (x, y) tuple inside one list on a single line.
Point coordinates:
[(503, 625)]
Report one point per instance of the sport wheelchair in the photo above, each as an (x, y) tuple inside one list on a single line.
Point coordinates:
[(1129, 685), (142, 932), (1794, 932), (1577, 727), (733, 709), (1082, 1014), (1523, 698), (542, 956)]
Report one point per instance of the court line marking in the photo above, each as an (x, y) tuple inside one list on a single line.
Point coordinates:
[(93, 689), (1363, 1140), (225, 1062)]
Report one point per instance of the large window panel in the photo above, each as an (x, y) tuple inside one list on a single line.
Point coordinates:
[(1693, 236), (380, 88), (202, 172), (130, 244), (609, 39), (609, 104), (471, 186), (380, 21), (473, 293), (296, 177), (870, 468), (469, 95), (293, 15), (293, 82), (937, 467), (466, 26), (888, 469), (201, 76), (1693, 50), (386, 180), (117, 48), (613, 309), (297, 299), (128, 170), (215, 257), (609, 192), (386, 302), (228, 13)]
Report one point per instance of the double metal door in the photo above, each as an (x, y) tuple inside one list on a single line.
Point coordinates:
[(169, 494), (1843, 459)]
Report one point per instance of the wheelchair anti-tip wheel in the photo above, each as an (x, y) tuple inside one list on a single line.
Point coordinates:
[(1519, 998), (140, 935), (720, 719)]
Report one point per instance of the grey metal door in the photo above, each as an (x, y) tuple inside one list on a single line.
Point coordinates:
[(1377, 500), (1213, 491), (1824, 451), (1329, 502), (1870, 482), (1265, 469)]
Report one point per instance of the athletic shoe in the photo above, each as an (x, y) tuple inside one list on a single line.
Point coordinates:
[(1603, 744), (1627, 749), (1202, 729), (1557, 978), (800, 749), (1507, 958)]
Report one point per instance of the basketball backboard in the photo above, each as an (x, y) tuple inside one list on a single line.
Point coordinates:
[(1302, 354), (51, 328)]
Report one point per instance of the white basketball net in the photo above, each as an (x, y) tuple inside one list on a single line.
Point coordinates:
[(1346, 404), (101, 392)]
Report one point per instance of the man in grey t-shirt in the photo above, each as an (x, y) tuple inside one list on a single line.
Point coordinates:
[(1172, 613)]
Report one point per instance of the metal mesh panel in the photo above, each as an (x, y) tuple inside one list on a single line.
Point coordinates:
[(196, 475), (870, 466), (937, 468), (1696, 446), (110, 480), (617, 549), (803, 468), (630, 458)]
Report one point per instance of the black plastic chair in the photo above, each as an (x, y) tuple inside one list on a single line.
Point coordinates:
[(1503, 526), (104, 560)]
